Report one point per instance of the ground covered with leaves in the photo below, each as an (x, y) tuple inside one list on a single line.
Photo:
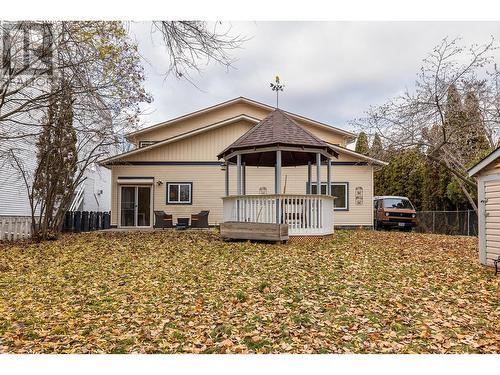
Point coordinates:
[(190, 292)]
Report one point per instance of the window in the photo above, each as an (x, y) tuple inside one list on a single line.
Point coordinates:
[(340, 190), (179, 192), (146, 143), (397, 203)]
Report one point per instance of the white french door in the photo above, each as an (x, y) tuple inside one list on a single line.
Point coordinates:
[(135, 206)]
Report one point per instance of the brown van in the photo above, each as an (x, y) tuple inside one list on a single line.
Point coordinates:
[(393, 212)]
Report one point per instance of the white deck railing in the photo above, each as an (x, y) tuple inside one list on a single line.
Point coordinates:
[(14, 228), (305, 214)]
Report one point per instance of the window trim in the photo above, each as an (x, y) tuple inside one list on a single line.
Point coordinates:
[(167, 190), (345, 183)]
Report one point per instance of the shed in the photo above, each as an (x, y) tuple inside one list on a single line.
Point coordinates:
[(487, 174)]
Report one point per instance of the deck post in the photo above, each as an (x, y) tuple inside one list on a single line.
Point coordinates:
[(227, 179), (318, 173), (238, 174), (244, 179), (309, 178), (329, 177), (238, 185), (277, 185)]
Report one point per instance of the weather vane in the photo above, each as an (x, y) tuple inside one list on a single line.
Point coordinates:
[(277, 86)]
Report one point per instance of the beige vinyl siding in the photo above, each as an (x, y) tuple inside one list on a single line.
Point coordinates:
[(225, 113), (492, 222), (201, 120), (208, 187), (202, 147)]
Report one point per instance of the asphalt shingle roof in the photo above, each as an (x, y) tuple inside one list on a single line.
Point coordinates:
[(277, 128)]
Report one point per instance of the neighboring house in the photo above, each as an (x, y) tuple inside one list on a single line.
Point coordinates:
[(95, 191), (174, 168), (487, 174), (94, 194)]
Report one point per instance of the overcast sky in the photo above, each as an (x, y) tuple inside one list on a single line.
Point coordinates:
[(332, 71)]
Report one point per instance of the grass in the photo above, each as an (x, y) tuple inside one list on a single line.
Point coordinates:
[(171, 292)]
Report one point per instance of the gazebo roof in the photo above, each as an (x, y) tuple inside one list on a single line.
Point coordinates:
[(275, 130)]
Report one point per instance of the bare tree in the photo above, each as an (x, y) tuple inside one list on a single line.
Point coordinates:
[(190, 44), (424, 118), (101, 65)]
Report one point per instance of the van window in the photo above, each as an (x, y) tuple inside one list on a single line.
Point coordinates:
[(397, 203)]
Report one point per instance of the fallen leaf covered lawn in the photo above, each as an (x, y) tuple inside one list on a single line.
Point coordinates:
[(190, 292)]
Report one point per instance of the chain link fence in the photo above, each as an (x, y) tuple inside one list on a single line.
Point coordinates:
[(462, 223)]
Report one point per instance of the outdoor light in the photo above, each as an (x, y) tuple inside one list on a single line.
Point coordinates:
[(222, 166)]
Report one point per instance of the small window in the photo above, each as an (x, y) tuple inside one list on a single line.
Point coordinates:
[(146, 143), (179, 192), (340, 190)]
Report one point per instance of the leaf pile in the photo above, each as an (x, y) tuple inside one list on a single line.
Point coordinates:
[(190, 292)]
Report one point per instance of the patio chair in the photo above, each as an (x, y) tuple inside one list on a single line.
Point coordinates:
[(163, 220), (200, 220)]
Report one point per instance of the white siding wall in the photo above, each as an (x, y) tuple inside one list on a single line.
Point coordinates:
[(13, 194), (489, 217), (98, 179)]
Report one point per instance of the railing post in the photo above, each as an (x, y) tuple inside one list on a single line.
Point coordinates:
[(238, 185), (329, 177), (318, 173), (309, 178), (226, 174), (318, 186), (277, 175), (244, 179)]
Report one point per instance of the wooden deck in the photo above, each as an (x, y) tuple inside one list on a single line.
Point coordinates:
[(254, 231)]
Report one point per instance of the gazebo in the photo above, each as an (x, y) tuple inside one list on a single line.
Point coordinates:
[(277, 141)]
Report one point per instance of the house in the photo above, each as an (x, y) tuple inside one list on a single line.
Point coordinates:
[(185, 165), (487, 174), (94, 193)]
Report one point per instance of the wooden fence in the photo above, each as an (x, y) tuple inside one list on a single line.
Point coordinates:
[(14, 228)]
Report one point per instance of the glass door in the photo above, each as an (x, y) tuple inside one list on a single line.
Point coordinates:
[(143, 206), (127, 206), (135, 206)]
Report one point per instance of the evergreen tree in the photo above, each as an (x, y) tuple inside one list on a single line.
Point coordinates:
[(455, 120), (377, 151), (434, 188), (403, 176), (476, 140), (57, 163), (362, 144)]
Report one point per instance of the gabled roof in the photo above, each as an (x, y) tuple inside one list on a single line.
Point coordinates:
[(276, 129), (242, 99), (487, 160)]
